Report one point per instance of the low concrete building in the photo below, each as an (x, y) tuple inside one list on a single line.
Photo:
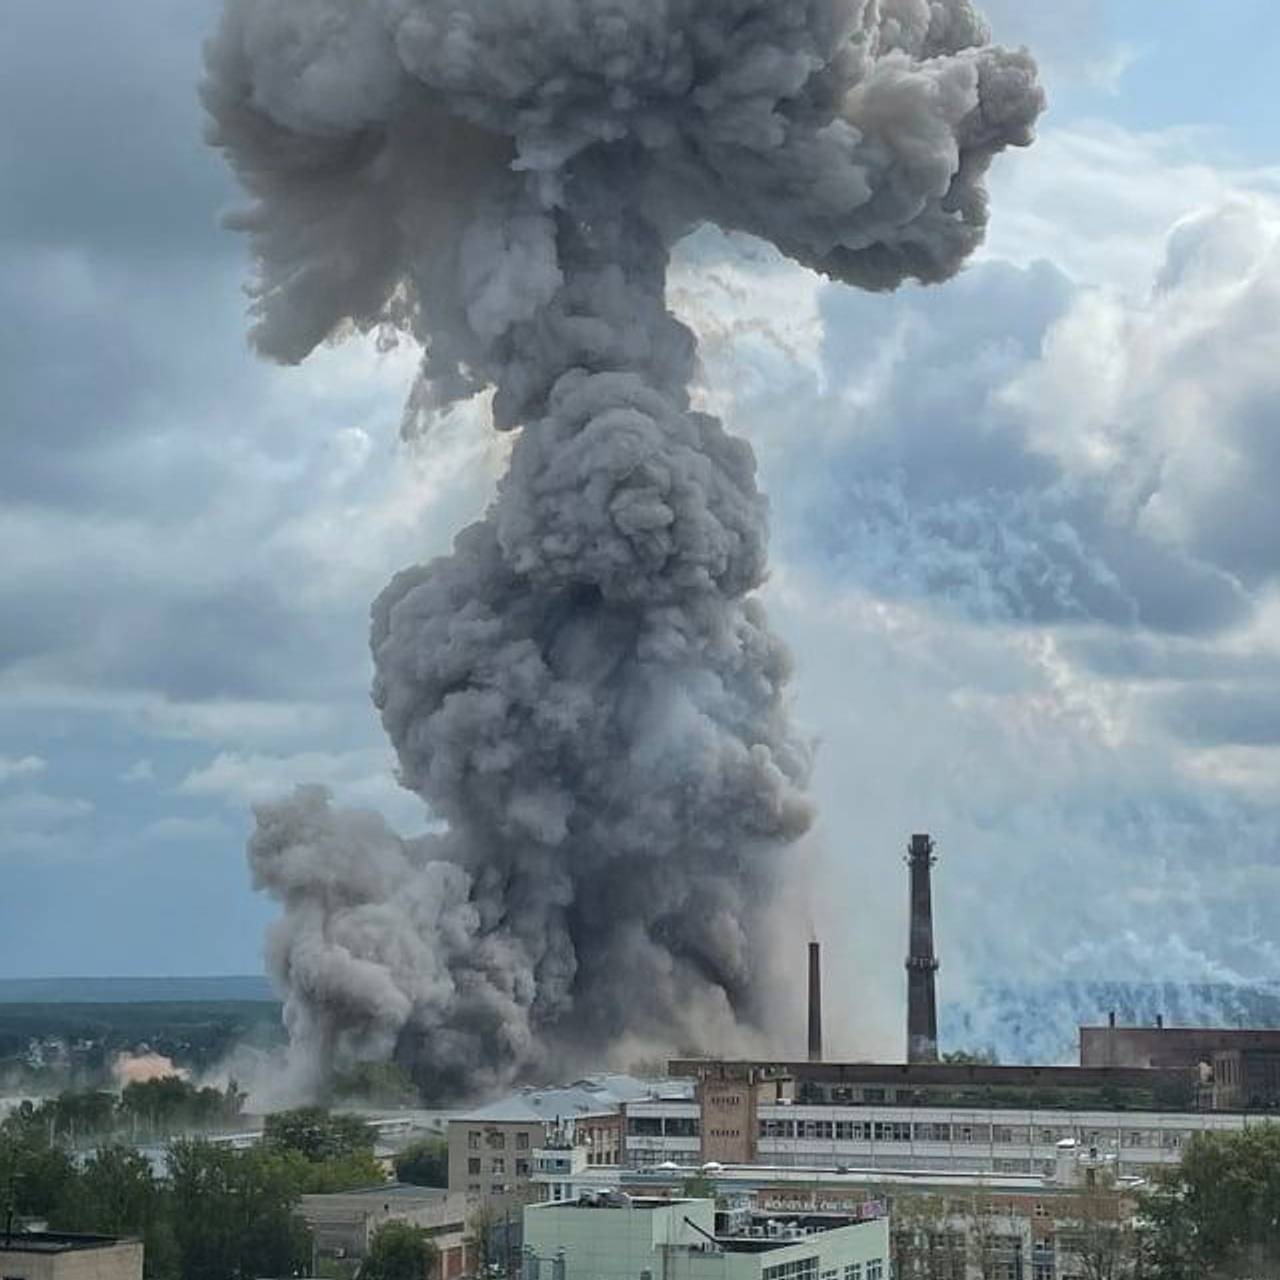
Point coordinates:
[(343, 1223), (491, 1149), (943, 1225), (46, 1255), (615, 1237)]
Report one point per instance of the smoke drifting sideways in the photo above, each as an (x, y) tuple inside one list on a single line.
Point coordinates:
[(586, 692)]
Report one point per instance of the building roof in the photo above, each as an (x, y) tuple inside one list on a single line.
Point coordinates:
[(56, 1242), (826, 1178), (387, 1191), (592, 1095), (927, 1074)]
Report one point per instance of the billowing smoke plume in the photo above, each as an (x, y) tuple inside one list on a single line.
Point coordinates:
[(585, 692)]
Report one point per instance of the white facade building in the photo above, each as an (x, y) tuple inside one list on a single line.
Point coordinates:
[(993, 1139), (644, 1239)]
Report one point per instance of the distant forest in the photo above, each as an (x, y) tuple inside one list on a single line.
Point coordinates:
[(51, 1046)]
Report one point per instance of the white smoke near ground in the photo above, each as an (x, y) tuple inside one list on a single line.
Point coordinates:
[(586, 693)]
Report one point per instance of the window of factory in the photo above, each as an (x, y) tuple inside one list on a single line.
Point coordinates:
[(933, 1132), (1005, 1258), (1171, 1139), (474, 1139), (496, 1189), (873, 1095), (1009, 1133), (522, 1168), (644, 1126), (522, 1142), (1041, 1210), (799, 1269), (892, 1131), (680, 1127), (817, 1129), (496, 1141), (1042, 1260), (777, 1129), (831, 1273), (473, 1165), (875, 1269), (473, 1186), (851, 1131), (499, 1165)]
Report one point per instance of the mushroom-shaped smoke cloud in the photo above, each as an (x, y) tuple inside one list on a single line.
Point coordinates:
[(585, 691)]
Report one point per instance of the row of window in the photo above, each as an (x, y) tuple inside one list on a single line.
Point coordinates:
[(494, 1140), (796, 1269), (937, 1131), (498, 1166), (663, 1126), (807, 1269)]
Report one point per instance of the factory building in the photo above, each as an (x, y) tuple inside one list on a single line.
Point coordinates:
[(343, 1223), (948, 1226), (1237, 1069), (910, 1117), (491, 1148), (614, 1236)]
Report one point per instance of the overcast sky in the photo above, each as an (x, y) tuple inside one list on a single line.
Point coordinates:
[(1026, 530)]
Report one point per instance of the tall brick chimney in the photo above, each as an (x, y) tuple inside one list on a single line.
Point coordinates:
[(922, 964), (815, 1002)]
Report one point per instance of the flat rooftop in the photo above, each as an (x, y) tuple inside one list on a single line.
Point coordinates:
[(391, 1191), (808, 1225), (594, 1202), (925, 1074), (55, 1242)]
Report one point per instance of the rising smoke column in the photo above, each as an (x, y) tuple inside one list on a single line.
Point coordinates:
[(585, 692)]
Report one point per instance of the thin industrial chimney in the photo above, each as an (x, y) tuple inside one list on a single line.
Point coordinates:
[(922, 964), (815, 1002)]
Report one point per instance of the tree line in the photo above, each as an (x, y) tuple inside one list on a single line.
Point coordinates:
[(212, 1212), (151, 1109)]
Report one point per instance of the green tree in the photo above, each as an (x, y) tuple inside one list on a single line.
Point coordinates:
[(317, 1135), (399, 1251), (1217, 1215), (424, 1164), (1101, 1237), (118, 1193), (970, 1058), (173, 1105), (234, 1213), (347, 1173), (36, 1179)]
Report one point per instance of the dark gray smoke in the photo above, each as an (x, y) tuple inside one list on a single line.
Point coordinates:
[(585, 692)]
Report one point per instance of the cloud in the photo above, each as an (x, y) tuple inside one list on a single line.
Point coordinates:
[(21, 767), (40, 824), (139, 771), (178, 830), (364, 778), (1026, 612)]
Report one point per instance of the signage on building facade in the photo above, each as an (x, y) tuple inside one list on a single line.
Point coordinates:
[(807, 1202)]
